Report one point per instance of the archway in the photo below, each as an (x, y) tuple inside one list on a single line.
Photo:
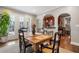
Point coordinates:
[(64, 25)]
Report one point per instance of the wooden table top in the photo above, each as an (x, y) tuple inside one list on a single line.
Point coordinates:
[(39, 38)]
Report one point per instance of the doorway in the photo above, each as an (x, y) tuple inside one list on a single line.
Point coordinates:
[(64, 25)]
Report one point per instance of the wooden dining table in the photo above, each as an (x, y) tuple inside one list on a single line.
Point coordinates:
[(38, 39)]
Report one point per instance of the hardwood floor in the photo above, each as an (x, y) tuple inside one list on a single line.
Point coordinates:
[(65, 43)]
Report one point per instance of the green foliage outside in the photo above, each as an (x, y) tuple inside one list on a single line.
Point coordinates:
[(4, 23)]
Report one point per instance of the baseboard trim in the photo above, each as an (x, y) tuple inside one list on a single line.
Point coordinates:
[(8, 41), (75, 43)]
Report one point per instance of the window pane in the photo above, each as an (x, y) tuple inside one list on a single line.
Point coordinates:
[(21, 22), (12, 24)]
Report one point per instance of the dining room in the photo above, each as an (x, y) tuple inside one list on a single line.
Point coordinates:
[(39, 29)]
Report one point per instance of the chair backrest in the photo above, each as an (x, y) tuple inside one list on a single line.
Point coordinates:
[(24, 29), (21, 37), (56, 41), (62, 29), (44, 32)]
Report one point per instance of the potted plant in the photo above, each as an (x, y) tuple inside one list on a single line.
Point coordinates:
[(4, 24), (33, 29)]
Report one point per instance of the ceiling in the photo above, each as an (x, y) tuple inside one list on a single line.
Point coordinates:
[(35, 10)]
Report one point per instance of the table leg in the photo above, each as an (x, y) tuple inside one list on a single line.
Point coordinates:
[(36, 47)]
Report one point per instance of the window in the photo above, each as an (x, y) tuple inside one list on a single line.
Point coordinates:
[(21, 22), (12, 24)]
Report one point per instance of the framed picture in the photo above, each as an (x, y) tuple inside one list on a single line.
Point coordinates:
[(48, 21)]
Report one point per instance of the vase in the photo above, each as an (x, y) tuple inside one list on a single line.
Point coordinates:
[(33, 32)]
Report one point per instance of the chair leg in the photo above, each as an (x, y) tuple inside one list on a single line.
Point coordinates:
[(50, 42), (20, 48), (41, 47), (24, 49), (58, 50), (58, 47), (53, 51), (53, 48)]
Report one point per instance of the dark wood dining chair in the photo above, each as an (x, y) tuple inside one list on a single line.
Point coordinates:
[(54, 48), (23, 43), (62, 29)]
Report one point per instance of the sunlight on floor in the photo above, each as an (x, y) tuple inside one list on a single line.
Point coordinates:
[(11, 43)]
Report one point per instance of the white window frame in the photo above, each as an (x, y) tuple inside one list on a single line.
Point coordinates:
[(21, 21), (12, 19)]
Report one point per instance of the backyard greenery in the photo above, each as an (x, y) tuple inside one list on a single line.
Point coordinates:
[(4, 23)]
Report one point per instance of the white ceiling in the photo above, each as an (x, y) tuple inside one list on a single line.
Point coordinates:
[(35, 10)]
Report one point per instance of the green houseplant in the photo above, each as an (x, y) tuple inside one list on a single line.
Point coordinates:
[(4, 24)]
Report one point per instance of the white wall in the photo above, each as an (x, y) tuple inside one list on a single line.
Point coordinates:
[(74, 12)]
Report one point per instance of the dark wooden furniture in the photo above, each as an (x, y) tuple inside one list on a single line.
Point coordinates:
[(23, 43), (53, 47), (24, 29)]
